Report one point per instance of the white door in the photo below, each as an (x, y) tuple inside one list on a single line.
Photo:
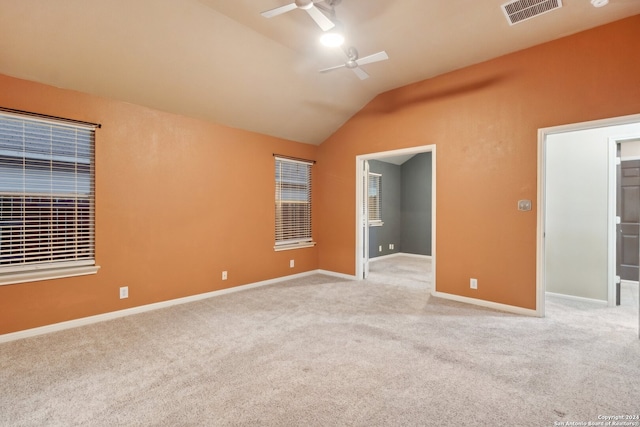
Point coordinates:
[(365, 220)]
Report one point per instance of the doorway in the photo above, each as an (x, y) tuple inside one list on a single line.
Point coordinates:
[(362, 217), (577, 209), (628, 214)]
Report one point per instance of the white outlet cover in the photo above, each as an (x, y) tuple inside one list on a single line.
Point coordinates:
[(524, 205), (124, 292)]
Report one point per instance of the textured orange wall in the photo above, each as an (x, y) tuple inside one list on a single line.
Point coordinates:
[(177, 202), (483, 120)]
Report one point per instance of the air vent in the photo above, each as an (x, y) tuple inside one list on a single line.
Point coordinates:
[(521, 10)]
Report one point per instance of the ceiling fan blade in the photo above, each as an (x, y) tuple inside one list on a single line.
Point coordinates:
[(380, 56), (360, 73), (324, 70), (278, 10), (321, 19)]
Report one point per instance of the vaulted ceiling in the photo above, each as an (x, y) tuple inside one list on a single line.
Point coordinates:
[(221, 61)]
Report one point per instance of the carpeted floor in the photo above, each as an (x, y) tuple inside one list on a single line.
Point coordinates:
[(321, 351)]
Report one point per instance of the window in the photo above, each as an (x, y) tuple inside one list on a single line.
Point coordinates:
[(293, 204), (375, 199), (46, 199)]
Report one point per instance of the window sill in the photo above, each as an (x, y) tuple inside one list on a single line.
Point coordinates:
[(37, 275), (376, 224), (279, 248)]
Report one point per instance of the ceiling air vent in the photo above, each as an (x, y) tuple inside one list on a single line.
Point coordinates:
[(521, 10)]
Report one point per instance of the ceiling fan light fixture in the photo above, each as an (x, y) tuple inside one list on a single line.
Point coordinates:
[(332, 39)]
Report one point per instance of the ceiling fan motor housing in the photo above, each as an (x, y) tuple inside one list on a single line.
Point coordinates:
[(352, 54), (304, 4)]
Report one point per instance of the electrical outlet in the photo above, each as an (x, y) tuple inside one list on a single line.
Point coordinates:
[(224, 275), (380, 248), (292, 263), (391, 245), (524, 205), (473, 283), (124, 292)]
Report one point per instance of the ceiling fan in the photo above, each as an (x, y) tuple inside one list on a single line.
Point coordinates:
[(315, 11), (354, 62)]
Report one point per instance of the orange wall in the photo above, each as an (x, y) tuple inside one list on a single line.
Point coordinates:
[(177, 202), (483, 120)]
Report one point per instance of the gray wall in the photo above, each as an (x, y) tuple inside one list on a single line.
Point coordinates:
[(416, 205), (390, 211), (406, 207)]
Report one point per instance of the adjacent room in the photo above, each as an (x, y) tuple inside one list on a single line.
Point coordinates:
[(320, 212)]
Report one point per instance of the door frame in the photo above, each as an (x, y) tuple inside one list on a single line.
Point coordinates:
[(615, 143), (364, 185), (360, 194), (542, 141)]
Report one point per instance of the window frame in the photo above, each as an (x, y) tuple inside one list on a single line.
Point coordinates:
[(60, 216), (299, 189), (377, 220)]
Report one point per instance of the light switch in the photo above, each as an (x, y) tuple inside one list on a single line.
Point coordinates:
[(524, 205)]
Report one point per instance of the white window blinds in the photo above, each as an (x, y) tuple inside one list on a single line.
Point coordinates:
[(46, 194), (375, 198), (292, 203)]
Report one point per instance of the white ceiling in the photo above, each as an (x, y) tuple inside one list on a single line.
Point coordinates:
[(396, 160), (221, 61)]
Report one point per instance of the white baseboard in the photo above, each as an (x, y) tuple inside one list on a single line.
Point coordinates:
[(415, 255), (164, 304), (487, 304), (397, 254), (383, 257), (27, 333), (575, 298), (337, 275)]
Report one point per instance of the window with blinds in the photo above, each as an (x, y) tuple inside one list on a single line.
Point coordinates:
[(293, 204), (46, 194), (375, 198)]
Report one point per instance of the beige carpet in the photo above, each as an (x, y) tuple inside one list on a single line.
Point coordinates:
[(320, 351)]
